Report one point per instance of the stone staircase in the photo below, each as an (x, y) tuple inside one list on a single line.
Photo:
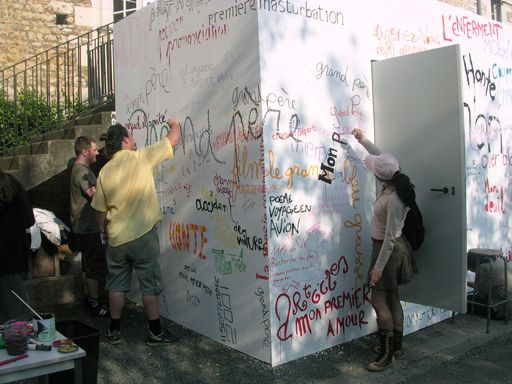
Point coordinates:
[(48, 154), (42, 168)]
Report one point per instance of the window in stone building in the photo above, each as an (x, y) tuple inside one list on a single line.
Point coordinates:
[(61, 19), (496, 10), (501, 11), (123, 8)]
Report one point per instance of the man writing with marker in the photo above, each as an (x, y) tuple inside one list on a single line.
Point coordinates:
[(127, 213)]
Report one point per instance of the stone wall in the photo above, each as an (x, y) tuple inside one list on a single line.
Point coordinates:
[(471, 5), (31, 26), (502, 7)]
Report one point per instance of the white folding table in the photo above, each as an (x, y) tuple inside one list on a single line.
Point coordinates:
[(42, 363)]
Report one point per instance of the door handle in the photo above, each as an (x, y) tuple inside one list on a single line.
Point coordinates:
[(444, 190)]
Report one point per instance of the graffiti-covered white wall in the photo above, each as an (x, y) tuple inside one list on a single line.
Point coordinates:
[(266, 205), (487, 82)]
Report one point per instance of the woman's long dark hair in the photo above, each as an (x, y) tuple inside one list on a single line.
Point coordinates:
[(8, 189), (404, 188)]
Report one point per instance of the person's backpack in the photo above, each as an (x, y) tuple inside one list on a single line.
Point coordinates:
[(413, 229)]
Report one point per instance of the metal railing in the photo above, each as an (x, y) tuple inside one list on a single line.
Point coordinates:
[(42, 92)]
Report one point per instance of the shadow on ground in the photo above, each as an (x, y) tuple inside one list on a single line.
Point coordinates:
[(198, 359)]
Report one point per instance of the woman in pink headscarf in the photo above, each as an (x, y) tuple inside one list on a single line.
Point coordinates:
[(390, 263)]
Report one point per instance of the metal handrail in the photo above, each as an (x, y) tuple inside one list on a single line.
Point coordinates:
[(42, 92)]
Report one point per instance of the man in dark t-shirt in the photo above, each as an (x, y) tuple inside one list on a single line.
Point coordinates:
[(83, 221)]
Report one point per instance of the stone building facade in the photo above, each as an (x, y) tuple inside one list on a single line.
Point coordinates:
[(493, 9), (29, 27)]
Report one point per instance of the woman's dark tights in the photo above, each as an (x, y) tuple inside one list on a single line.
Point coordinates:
[(386, 304)]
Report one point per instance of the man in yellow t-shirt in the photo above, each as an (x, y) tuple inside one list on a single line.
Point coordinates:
[(127, 212)]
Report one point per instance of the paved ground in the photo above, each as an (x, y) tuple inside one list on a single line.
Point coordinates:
[(489, 363), (444, 353)]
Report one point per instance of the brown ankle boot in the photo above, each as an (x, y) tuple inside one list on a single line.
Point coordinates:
[(398, 350), (385, 358)]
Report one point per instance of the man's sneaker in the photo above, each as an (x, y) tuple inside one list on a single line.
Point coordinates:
[(99, 310), (161, 339), (113, 337)]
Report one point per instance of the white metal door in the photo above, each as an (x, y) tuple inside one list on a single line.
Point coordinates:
[(418, 118)]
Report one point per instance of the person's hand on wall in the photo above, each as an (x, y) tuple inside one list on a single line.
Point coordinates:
[(358, 133), (174, 133)]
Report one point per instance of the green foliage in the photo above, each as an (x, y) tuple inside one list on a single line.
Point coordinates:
[(30, 115)]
